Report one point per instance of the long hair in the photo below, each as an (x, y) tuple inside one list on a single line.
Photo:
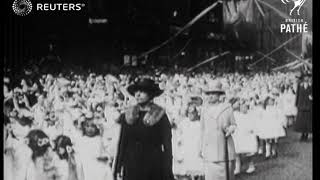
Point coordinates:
[(38, 143), (25, 121), (65, 143), (266, 101)]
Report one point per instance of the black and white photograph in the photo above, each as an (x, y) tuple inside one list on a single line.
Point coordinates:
[(158, 90)]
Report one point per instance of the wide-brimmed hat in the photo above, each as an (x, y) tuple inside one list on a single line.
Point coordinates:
[(215, 87), (147, 85)]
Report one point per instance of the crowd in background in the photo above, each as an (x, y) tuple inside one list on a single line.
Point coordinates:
[(64, 126)]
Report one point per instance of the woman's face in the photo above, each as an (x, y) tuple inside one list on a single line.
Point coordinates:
[(141, 97), (213, 98)]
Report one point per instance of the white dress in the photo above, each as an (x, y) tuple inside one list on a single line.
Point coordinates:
[(43, 168), (66, 119), (64, 172), (244, 138), (39, 115), (271, 123), (110, 138), (89, 149), (52, 131), (16, 159), (191, 147), (177, 167), (288, 104), (111, 113)]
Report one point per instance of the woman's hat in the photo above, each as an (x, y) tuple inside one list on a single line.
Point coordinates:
[(215, 87), (147, 85)]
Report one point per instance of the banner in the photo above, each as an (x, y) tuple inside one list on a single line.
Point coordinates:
[(235, 12)]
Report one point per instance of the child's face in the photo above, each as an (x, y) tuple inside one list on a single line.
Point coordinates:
[(99, 109), (13, 113), (61, 151), (52, 116), (90, 129), (98, 115), (270, 102), (48, 157), (19, 130), (236, 105), (252, 103), (244, 108)]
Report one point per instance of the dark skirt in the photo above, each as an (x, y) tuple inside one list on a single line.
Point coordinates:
[(303, 122), (143, 164)]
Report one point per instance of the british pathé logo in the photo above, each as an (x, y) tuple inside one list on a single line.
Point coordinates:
[(22, 7), (294, 25), (297, 5)]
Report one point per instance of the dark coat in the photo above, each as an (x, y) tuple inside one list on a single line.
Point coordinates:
[(304, 105), (145, 149)]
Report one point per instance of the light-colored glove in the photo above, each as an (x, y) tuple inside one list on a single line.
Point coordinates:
[(230, 130)]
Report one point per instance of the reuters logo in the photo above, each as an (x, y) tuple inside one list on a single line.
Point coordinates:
[(22, 7)]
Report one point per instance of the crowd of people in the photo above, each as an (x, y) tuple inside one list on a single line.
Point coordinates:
[(66, 126)]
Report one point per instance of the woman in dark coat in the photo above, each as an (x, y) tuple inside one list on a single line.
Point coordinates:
[(304, 105), (145, 149)]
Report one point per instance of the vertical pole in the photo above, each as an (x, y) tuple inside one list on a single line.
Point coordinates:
[(227, 158), (262, 34)]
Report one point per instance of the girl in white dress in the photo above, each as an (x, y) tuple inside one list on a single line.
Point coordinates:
[(53, 125), (177, 166), (42, 164), (190, 137), (90, 148), (244, 137), (39, 111), (272, 123), (256, 110), (288, 105), (69, 166), (17, 153), (111, 131)]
